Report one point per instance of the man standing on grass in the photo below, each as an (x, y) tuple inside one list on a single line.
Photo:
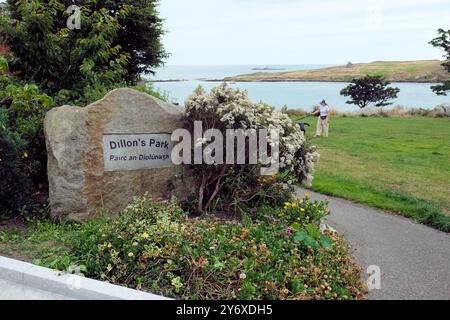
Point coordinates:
[(323, 124)]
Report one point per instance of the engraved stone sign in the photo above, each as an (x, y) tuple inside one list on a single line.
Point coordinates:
[(105, 154), (137, 151)]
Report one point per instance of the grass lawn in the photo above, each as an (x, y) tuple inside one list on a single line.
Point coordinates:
[(397, 164)]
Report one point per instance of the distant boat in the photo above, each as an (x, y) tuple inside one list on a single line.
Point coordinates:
[(267, 69)]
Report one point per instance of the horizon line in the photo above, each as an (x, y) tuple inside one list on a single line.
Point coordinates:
[(290, 64)]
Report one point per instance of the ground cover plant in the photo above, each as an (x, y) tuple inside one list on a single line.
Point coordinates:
[(275, 253)]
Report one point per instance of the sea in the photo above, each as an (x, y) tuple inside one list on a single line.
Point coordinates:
[(178, 82)]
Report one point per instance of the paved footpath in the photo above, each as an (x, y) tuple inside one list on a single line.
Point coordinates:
[(414, 259)]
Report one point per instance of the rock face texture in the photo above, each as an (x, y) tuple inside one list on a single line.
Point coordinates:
[(79, 184)]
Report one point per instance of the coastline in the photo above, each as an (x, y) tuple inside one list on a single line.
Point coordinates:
[(227, 80), (318, 81), (421, 71), (425, 71)]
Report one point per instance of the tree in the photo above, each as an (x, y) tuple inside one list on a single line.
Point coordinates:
[(443, 42), (118, 40), (370, 89), (141, 38)]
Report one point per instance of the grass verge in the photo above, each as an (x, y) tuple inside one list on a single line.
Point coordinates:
[(397, 164), (422, 211)]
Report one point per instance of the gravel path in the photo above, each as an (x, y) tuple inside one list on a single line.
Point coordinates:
[(414, 259)]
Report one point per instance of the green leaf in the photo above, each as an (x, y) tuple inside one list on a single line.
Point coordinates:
[(300, 236), (219, 265), (3, 65), (296, 226), (313, 231), (326, 242), (83, 268), (297, 286), (310, 242)]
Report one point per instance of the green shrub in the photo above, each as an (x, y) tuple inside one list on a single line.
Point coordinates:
[(22, 111), (273, 190), (118, 42), (304, 217), (300, 210), (24, 108), (157, 248), (15, 185)]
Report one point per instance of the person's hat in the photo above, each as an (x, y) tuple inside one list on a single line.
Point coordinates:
[(323, 102)]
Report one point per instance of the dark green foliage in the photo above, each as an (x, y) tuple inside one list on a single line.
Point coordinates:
[(23, 109), (370, 90), (443, 42), (51, 65), (117, 41), (23, 152), (15, 186), (140, 37)]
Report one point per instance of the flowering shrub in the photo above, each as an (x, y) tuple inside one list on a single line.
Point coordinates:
[(227, 108), (157, 248), (303, 217)]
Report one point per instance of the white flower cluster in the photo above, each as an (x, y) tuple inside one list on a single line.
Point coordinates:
[(228, 108)]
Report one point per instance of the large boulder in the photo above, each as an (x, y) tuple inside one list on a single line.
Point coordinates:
[(103, 155)]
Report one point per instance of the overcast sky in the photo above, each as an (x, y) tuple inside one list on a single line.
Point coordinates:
[(217, 32)]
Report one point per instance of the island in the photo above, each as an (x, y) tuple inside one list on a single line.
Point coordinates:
[(267, 69), (427, 71)]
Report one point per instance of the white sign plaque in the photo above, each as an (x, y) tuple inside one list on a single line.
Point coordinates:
[(129, 152)]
